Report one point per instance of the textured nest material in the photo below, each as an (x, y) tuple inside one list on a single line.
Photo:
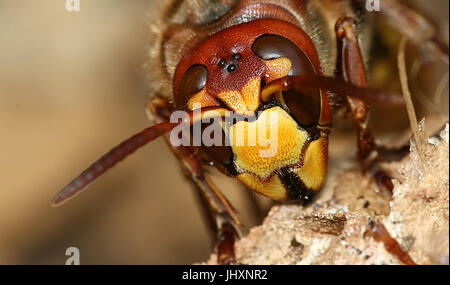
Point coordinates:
[(333, 229)]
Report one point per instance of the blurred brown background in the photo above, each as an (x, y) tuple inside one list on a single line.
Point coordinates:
[(71, 88)]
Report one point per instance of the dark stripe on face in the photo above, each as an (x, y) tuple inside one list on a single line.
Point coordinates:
[(296, 189)]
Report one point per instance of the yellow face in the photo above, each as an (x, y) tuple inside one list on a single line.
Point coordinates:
[(272, 153), (291, 158)]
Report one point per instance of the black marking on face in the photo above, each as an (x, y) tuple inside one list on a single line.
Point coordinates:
[(296, 189)]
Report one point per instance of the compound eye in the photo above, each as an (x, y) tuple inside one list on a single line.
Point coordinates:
[(304, 103), (269, 47), (193, 81)]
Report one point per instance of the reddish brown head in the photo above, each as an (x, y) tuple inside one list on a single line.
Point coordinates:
[(230, 69), (240, 57)]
